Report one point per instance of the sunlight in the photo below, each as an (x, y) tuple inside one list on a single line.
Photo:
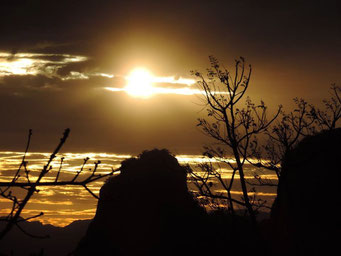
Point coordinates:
[(140, 83), (17, 67)]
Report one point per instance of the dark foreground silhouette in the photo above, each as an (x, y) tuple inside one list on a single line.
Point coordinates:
[(148, 210), (60, 241), (305, 216)]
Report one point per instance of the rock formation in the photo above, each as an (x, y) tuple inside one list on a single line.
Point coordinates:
[(145, 210), (305, 215)]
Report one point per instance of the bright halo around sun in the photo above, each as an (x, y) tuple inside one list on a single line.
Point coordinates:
[(140, 83)]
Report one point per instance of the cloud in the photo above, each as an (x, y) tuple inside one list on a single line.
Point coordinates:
[(174, 80), (22, 72), (75, 75), (35, 63), (161, 90), (157, 85), (61, 66)]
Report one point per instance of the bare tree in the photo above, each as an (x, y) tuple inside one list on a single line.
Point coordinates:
[(283, 135), (248, 136), (328, 118), (31, 187), (231, 125)]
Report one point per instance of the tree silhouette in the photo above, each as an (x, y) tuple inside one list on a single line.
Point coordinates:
[(231, 125), (328, 118), (18, 205), (284, 135)]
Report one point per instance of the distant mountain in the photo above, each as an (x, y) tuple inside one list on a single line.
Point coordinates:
[(61, 241)]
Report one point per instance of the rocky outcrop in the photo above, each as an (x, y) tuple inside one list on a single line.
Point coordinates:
[(145, 210), (305, 215)]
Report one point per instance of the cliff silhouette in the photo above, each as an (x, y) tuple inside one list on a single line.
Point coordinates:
[(145, 210), (305, 218)]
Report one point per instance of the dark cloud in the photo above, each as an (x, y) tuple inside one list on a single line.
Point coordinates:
[(23, 84), (38, 83)]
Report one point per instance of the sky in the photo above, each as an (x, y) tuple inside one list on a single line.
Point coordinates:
[(66, 64), (64, 204)]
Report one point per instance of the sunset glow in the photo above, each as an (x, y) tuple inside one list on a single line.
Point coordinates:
[(147, 127), (140, 83), (65, 204)]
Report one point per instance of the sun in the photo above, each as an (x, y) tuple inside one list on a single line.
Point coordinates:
[(140, 83)]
